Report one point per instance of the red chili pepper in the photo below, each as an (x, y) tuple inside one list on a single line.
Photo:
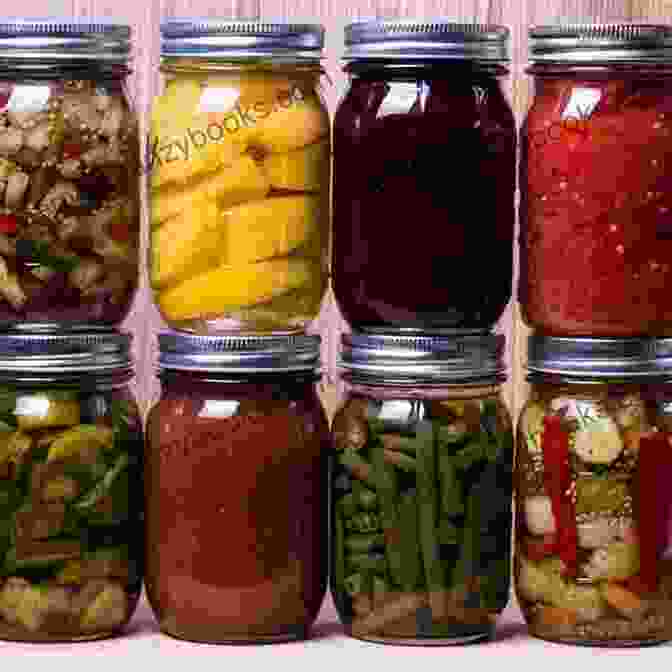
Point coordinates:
[(653, 503), (538, 549), (557, 480), (8, 224), (72, 150), (119, 230)]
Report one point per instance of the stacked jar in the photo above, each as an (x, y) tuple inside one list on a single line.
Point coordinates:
[(71, 447), (421, 437), (239, 191), (596, 253)]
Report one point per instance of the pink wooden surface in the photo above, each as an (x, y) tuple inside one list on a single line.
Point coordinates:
[(145, 15)]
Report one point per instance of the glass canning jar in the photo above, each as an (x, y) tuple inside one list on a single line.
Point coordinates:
[(593, 552), (596, 184), (422, 489), (240, 177), (69, 176), (71, 489), (424, 142), (237, 486)]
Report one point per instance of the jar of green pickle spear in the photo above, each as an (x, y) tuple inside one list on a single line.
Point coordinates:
[(422, 489), (71, 488), (593, 556)]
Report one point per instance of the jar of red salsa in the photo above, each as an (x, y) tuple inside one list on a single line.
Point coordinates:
[(423, 127), (596, 185), (236, 494)]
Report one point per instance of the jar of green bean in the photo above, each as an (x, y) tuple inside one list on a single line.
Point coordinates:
[(422, 489)]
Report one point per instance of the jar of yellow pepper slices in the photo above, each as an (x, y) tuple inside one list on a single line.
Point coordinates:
[(239, 159)]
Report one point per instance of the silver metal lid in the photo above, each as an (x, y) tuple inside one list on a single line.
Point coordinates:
[(435, 359), (411, 39), (601, 42), (238, 354), (66, 354), (231, 38), (600, 358), (65, 39)]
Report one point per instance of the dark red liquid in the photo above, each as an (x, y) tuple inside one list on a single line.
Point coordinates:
[(424, 182)]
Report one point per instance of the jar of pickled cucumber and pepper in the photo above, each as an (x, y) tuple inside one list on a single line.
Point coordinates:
[(69, 176), (422, 489), (71, 488), (240, 176), (593, 553)]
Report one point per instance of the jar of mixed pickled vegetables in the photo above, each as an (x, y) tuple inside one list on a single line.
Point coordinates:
[(237, 486), (422, 489), (423, 128), (593, 472), (69, 176), (71, 489), (596, 184), (240, 177)]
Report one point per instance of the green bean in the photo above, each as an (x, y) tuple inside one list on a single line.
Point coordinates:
[(348, 505), (356, 465), (399, 444), (371, 562), (449, 533), (387, 489), (363, 543), (410, 548), (364, 522), (452, 501), (472, 453), (404, 462), (427, 516), (356, 584), (447, 435), (339, 550)]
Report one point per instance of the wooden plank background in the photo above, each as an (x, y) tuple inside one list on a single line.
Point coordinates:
[(145, 16)]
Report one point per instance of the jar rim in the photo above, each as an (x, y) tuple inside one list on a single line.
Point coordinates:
[(238, 354), (64, 40), (53, 355), (394, 359), (599, 358), (219, 38), (435, 39), (607, 43)]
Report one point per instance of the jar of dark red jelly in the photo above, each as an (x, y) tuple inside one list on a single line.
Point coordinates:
[(596, 184), (424, 178), (236, 496)]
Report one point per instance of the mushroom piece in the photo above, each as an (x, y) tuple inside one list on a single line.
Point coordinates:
[(26, 120), (11, 141), (62, 192), (41, 181), (38, 137), (86, 274), (7, 245), (101, 100), (71, 169), (17, 183), (103, 154), (112, 120), (80, 111), (10, 288)]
